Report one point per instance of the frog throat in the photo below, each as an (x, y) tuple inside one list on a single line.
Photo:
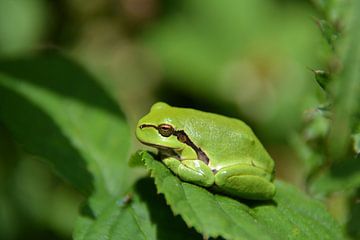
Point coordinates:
[(184, 138)]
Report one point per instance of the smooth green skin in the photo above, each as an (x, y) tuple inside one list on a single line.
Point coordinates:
[(238, 163)]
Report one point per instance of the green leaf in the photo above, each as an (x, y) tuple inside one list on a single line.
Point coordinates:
[(356, 143), (353, 222), (36, 131), (322, 78), (346, 92), (332, 10), (141, 215), (329, 32), (135, 160), (342, 176), (311, 160), (56, 110), (291, 214)]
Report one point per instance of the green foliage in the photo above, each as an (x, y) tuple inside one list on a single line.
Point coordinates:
[(329, 142), (27, 21), (353, 222), (343, 176), (91, 156), (77, 128), (329, 32), (356, 138), (322, 78), (245, 59), (290, 214), (140, 215), (87, 145), (331, 157), (34, 93)]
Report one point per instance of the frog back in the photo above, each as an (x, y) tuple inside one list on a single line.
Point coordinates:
[(226, 141)]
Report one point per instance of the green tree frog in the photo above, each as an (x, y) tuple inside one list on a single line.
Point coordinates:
[(209, 150)]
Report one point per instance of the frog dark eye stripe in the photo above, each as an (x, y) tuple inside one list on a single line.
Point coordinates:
[(147, 125), (182, 137), (165, 130)]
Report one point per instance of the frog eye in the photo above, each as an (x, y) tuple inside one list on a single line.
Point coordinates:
[(165, 130)]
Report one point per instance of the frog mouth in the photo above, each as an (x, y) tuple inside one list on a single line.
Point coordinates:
[(158, 146), (164, 151)]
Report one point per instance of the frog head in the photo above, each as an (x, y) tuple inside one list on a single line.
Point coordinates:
[(160, 128)]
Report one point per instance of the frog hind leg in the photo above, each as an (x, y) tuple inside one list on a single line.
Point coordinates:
[(193, 171), (245, 181)]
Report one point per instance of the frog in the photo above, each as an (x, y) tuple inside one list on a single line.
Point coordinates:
[(209, 150)]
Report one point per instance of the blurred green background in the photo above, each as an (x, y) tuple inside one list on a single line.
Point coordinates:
[(246, 59)]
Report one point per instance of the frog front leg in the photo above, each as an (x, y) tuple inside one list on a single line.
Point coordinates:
[(194, 171), (246, 181)]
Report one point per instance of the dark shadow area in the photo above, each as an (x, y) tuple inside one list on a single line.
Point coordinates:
[(170, 8), (86, 211), (180, 97), (258, 203), (9, 154), (21, 225), (41, 234), (65, 26), (34, 130), (169, 226), (346, 168), (250, 203), (352, 226), (54, 71)]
